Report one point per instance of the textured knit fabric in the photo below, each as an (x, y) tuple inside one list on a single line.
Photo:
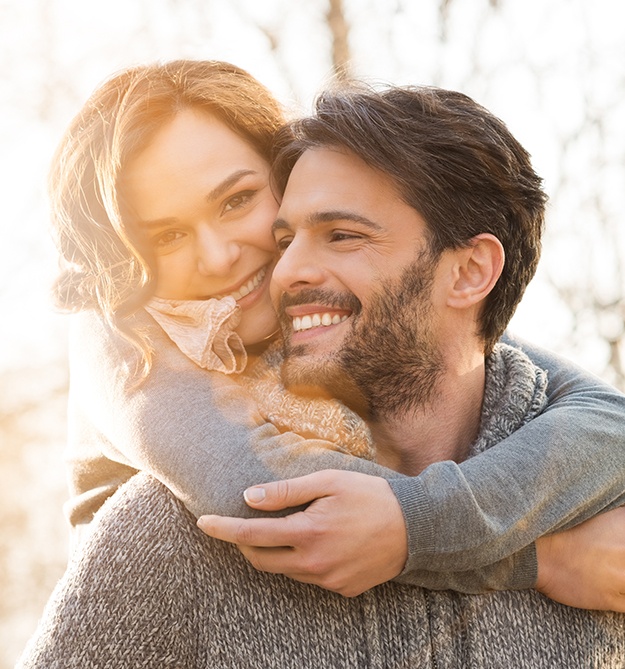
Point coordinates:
[(202, 435), (312, 418), (148, 590), (204, 331)]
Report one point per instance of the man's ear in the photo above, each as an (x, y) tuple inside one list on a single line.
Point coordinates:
[(476, 271)]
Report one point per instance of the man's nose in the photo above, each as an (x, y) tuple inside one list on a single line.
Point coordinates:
[(216, 252), (298, 267)]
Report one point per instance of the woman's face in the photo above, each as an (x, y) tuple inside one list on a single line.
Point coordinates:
[(199, 195)]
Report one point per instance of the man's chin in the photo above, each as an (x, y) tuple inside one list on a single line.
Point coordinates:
[(325, 379), (304, 376)]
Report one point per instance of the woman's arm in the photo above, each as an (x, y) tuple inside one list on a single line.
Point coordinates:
[(200, 434), (561, 468), (585, 566)]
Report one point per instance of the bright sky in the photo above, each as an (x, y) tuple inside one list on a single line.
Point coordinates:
[(541, 65), (54, 53)]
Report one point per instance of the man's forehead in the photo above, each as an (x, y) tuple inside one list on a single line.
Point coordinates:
[(329, 178), (322, 165), (328, 185)]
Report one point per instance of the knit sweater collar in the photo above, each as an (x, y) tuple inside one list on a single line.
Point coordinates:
[(515, 392)]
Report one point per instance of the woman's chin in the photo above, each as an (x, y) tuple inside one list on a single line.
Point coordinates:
[(255, 330)]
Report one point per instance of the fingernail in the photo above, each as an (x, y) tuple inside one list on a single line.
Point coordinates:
[(254, 495)]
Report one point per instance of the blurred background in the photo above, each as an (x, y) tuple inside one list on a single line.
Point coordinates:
[(554, 71)]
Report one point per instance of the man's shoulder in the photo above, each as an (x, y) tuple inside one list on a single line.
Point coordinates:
[(141, 510)]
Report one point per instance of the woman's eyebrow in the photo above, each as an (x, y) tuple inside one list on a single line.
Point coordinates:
[(156, 223), (213, 195), (227, 183)]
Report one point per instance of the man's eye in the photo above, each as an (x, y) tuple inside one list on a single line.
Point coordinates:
[(342, 235), (239, 200), (283, 243)]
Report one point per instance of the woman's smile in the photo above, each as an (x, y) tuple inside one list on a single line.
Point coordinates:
[(248, 288)]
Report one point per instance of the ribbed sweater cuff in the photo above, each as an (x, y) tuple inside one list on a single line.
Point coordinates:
[(417, 509), (525, 568)]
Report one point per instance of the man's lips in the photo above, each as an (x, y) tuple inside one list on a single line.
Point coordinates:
[(317, 320), (305, 317), (316, 308)]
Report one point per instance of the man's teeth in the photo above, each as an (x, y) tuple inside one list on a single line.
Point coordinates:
[(315, 320), (248, 287)]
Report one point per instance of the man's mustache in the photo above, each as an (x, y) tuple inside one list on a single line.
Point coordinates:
[(322, 297)]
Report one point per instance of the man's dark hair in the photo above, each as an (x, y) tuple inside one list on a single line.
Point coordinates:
[(451, 160)]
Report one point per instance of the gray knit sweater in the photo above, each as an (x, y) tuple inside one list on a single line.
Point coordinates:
[(149, 590)]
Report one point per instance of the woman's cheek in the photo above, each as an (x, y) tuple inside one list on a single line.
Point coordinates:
[(264, 221), (173, 277)]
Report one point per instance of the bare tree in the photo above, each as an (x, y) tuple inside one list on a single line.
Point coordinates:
[(339, 30)]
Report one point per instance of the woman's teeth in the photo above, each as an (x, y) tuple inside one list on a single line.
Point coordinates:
[(316, 320), (248, 287)]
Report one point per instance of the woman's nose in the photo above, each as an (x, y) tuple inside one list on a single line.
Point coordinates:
[(216, 253)]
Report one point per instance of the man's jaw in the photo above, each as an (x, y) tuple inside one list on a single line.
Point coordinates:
[(315, 324)]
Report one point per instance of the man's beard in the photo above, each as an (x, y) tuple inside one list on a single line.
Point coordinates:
[(390, 362)]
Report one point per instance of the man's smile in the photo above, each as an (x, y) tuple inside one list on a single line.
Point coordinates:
[(321, 319)]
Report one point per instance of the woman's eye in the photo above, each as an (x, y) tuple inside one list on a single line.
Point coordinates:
[(239, 200), (167, 238)]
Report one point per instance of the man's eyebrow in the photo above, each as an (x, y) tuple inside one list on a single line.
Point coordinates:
[(213, 195), (279, 224), (320, 217), (343, 215)]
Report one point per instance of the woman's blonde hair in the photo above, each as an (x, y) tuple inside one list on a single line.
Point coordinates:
[(102, 265)]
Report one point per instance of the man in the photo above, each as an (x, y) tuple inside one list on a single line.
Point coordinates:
[(415, 217), (427, 268), (425, 160)]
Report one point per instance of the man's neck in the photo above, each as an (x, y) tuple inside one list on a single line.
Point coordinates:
[(443, 430)]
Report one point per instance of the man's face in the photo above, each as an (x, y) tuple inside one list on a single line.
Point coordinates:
[(355, 286)]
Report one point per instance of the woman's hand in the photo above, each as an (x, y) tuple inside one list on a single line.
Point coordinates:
[(585, 566)]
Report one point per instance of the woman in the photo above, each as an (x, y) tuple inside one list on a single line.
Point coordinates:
[(162, 203)]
